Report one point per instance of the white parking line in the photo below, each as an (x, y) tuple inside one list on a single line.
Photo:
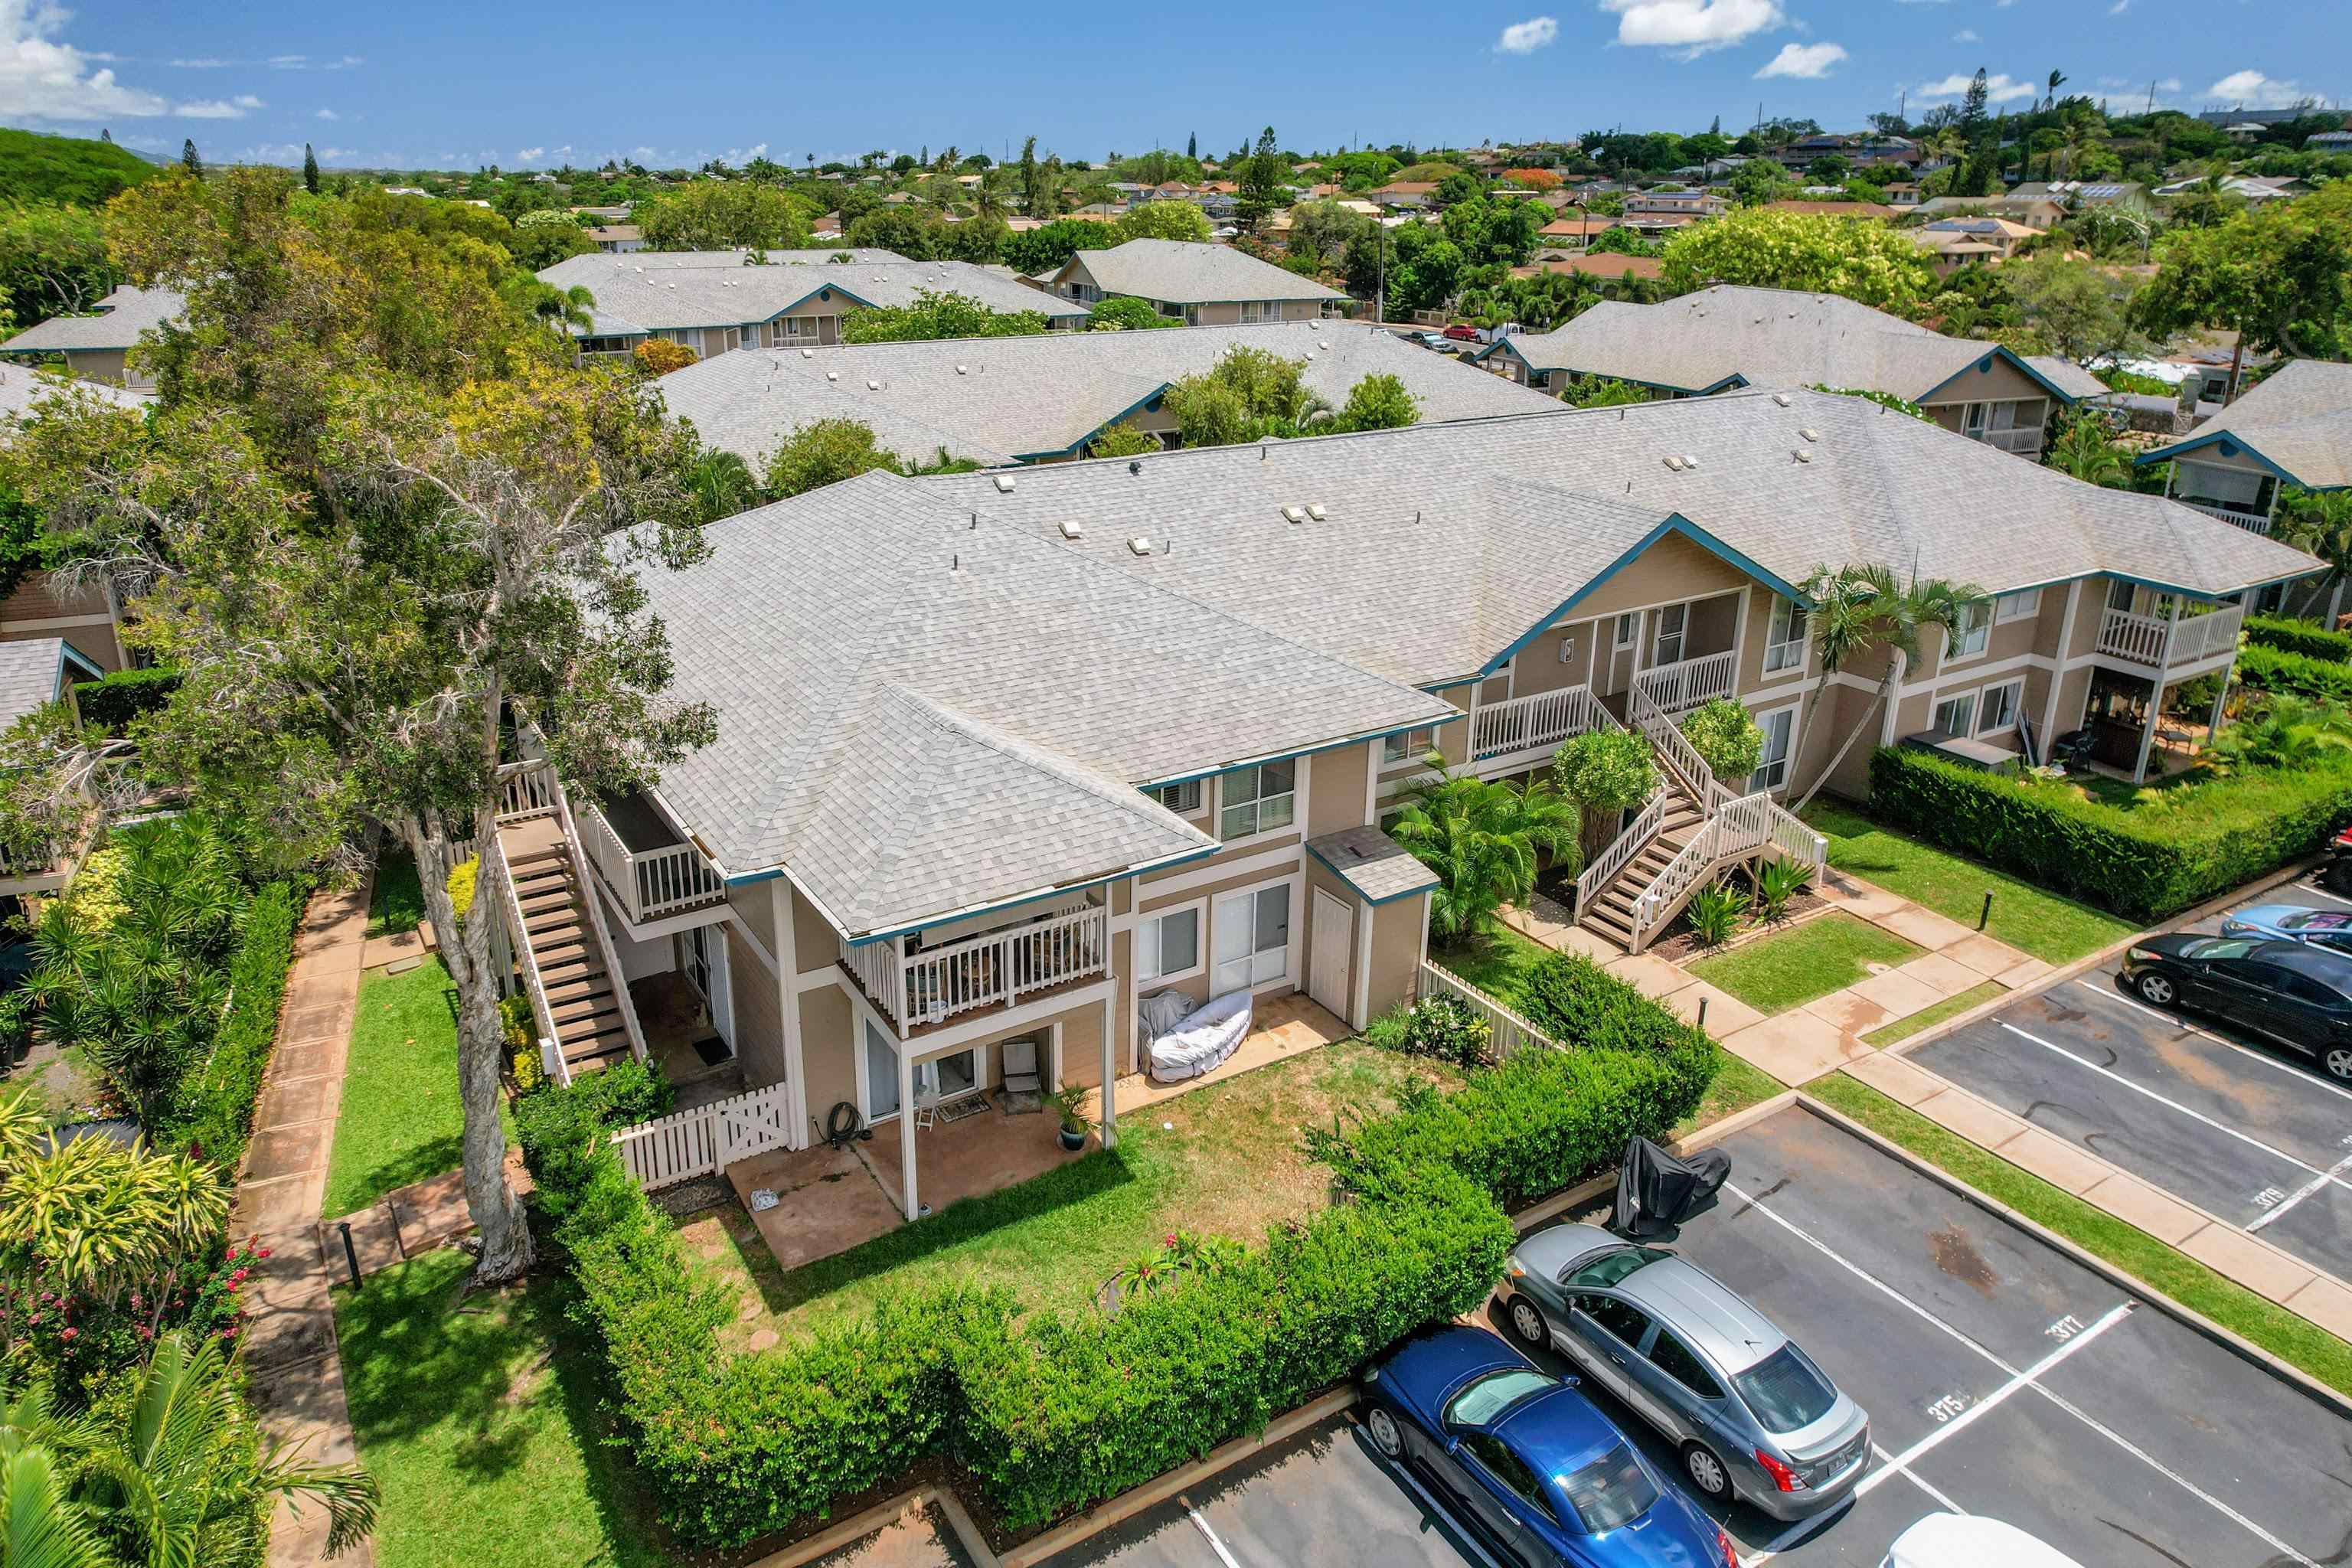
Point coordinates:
[(1917, 1479), (2222, 1127), (2302, 1074), (2325, 894), (2150, 1460), (2333, 1173), (1208, 1534)]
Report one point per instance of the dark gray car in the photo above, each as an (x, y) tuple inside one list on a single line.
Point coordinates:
[(1752, 1414)]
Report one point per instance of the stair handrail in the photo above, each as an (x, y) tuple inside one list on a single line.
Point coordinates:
[(1678, 874), (1793, 835), (1674, 748), (588, 895), (535, 982), (1604, 867)]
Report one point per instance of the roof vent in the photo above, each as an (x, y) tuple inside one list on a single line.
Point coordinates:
[(1783, 399), (832, 376), (963, 370), (1294, 514), (1315, 510), (1322, 342), (1674, 463), (1689, 461), (873, 385), (1005, 484), (1801, 455), (1071, 529), (808, 353), (1809, 434), (1139, 545)]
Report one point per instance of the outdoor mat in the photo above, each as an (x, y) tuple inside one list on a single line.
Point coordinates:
[(712, 1051), (957, 1109)]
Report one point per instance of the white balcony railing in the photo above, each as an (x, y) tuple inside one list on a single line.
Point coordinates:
[(1532, 723), (2024, 440), (2252, 521), (650, 883), (999, 966), (1671, 688), (526, 789), (2165, 642)]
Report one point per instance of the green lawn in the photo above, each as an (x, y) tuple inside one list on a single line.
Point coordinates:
[(1949, 1007), (1497, 963), (1223, 1160), (398, 902), (1737, 1086), (482, 1418), (1789, 969), (2051, 928), (2292, 1339), (401, 1118)]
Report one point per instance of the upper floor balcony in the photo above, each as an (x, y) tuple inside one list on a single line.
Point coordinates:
[(919, 987), (652, 872), (2252, 521), (2169, 642)]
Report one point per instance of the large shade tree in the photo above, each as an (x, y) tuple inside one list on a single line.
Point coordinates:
[(2280, 276), (1858, 609)]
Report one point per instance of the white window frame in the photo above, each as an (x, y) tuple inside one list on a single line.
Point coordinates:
[(1956, 700), (1257, 958), (1628, 631), (1408, 747), (1257, 803), (1979, 613), (1784, 638), (1659, 635), (1147, 941), (1185, 798), (2016, 691), (1765, 763), (2024, 605)]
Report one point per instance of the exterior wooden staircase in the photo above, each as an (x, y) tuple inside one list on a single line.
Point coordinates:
[(1610, 911)]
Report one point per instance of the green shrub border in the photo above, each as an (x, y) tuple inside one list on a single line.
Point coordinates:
[(2295, 674), (113, 700), (1051, 1411), (2308, 638), (2144, 869), (213, 1112)]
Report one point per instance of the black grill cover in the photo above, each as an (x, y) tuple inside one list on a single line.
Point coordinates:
[(1656, 1189)]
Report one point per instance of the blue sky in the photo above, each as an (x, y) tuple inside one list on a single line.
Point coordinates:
[(529, 82)]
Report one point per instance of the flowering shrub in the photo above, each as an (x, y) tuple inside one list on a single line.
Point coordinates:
[(1449, 1029), (78, 1341)]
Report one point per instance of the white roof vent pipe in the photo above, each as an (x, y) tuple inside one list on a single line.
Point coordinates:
[(808, 353), (1809, 434), (1689, 461), (963, 370), (1801, 455), (1316, 511), (832, 376), (873, 385), (1294, 514), (1139, 545), (1675, 464), (1005, 484), (1072, 529), (1783, 399)]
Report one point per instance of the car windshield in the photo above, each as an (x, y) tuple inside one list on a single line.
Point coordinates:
[(1613, 1489), (1490, 1395), (1785, 1392), (1610, 1267)]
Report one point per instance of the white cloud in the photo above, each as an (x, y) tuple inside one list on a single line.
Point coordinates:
[(44, 78), (2252, 89), (212, 108), (530, 154), (246, 100), (1965, 36), (327, 114), (2169, 84), (2119, 7), (346, 63), (739, 155), (1998, 89), (203, 65), (289, 62), (1694, 27), (1526, 37), (1810, 62)]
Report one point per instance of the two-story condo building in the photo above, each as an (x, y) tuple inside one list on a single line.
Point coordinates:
[(1723, 337), (1201, 285)]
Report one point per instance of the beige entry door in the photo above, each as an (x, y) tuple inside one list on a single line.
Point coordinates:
[(1329, 980)]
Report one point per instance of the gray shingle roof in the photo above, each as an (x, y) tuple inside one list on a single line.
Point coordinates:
[(1443, 543), (31, 673), (664, 299), (124, 314), (920, 711), (994, 400), (588, 269), (1186, 273), (1373, 864), (2300, 418), (1769, 336), (21, 388)]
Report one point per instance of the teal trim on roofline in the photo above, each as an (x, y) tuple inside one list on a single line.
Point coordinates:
[(2229, 441), (1985, 364), (1368, 903), (1674, 523)]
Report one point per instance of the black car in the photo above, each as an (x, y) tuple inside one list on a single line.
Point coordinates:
[(2297, 994)]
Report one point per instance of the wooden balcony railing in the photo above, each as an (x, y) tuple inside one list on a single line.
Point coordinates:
[(999, 966)]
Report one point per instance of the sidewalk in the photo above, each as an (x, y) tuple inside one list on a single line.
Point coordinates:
[(290, 1353), (1825, 1035)]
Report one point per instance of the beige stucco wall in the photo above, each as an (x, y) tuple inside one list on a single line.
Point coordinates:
[(828, 1043), (758, 1018), (1672, 570), (814, 942), (2003, 383), (1396, 951), (1336, 789)]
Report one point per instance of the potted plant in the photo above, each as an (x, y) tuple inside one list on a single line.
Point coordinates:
[(1069, 1103)]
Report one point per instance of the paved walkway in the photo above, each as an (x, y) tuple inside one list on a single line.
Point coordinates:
[(1825, 1035), (290, 1351)]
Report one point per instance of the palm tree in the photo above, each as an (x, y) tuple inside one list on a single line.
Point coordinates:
[(1482, 840), (989, 197), (721, 483), (1859, 607), (2083, 451)]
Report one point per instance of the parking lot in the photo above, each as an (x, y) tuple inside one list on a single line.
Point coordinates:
[(2000, 1377), (2250, 1132)]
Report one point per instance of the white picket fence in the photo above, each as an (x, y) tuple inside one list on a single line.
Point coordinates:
[(707, 1139), (1511, 1031)]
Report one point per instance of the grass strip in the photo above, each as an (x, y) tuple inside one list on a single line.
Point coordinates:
[(1928, 1017), (2296, 1341), (402, 1118)]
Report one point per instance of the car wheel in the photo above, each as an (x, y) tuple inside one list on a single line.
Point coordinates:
[(2339, 1062), (1527, 1322), (2155, 988), (1706, 1472), (1385, 1436)]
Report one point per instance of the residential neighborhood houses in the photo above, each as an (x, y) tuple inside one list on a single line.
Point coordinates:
[(980, 855)]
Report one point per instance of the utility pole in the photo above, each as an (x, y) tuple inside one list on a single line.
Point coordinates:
[(2151, 95), (1381, 288)]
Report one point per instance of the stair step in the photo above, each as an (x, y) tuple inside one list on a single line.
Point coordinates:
[(579, 989), (538, 901), (594, 1005), (611, 1037), (525, 859), (552, 928), (588, 1060)]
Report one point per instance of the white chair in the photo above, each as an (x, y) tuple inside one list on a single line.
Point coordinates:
[(1021, 1068)]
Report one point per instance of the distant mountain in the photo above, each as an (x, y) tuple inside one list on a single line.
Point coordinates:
[(39, 168)]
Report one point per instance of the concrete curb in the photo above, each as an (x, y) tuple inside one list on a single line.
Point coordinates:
[(858, 1526), (1559, 1202), (2245, 1349)]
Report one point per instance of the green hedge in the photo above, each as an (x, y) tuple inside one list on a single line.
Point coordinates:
[(2297, 674), (1051, 1411), (213, 1109), (2306, 638), (2145, 863), (111, 703)]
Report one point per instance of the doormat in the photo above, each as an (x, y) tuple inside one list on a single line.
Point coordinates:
[(712, 1051), (957, 1109)]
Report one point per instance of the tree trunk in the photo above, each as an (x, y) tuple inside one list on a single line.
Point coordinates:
[(1846, 745), (497, 1212)]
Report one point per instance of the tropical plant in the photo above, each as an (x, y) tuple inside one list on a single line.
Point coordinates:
[(934, 315), (173, 1474), (2320, 523), (659, 356), (1448, 1029), (1606, 772), (1713, 913), (1378, 402), (2277, 731), (1122, 440), (1482, 838), (1777, 883), (1249, 395), (1126, 314), (96, 1217), (2085, 450), (1602, 392), (1069, 1104), (1727, 738), (822, 453), (1857, 608), (721, 484)]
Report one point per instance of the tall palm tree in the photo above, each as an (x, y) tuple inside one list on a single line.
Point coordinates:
[(1856, 609), (2083, 451), (2320, 523), (989, 198), (1482, 840)]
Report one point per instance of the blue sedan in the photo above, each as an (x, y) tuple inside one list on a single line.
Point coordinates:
[(2329, 929), (1525, 1462)]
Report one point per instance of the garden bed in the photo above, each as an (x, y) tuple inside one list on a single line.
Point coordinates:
[(1684, 944)]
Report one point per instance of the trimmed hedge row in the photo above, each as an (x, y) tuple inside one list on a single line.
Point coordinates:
[(1051, 1411), (113, 700), (213, 1112), (2144, 863), (2306, 638), (2296, 673)]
